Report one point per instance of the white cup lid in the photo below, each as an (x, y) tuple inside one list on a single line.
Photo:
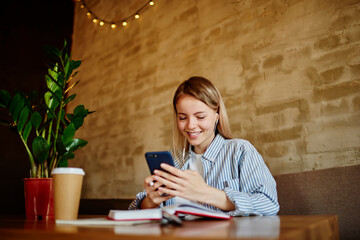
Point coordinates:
[(68, 170)]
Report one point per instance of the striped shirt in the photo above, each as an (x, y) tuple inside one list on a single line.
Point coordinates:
[(236, 167)]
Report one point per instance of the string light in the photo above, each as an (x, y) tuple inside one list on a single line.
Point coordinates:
[(113, 24)]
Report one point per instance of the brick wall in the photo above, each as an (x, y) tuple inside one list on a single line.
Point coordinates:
[(289, 72)]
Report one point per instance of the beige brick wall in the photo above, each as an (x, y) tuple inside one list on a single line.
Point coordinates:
[(289, 72)]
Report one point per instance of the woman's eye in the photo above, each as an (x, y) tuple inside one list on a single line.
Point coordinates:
[(201, 117), (182, 118)]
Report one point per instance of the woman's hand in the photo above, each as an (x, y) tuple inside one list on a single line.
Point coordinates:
[(187, 184), (154, 196), (190, 185)]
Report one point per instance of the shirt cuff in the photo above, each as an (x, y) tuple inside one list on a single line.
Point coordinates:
[(242, 202)]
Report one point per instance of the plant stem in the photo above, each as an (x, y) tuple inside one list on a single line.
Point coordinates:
[(38, 174), (49, 133), (32, 161), (53, 162), (46, 170)]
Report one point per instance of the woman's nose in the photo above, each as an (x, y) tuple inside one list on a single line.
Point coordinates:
[(191, 123)]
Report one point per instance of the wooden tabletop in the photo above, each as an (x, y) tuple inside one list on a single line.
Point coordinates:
[(274, 227)]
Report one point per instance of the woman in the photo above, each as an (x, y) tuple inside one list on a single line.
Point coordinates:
[(212, 168)]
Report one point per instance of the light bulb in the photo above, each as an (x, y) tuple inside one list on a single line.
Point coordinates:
[(82, 6), (88, 14), (124, 23), (95, 20), (113, 25), (101, 23), (137, 16), (151, 3)]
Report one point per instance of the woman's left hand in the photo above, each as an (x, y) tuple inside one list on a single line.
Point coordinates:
[(187, 184)]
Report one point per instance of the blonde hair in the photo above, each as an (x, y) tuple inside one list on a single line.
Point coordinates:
[(203, 90)]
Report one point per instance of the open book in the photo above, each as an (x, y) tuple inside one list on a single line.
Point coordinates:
[(180, 210)]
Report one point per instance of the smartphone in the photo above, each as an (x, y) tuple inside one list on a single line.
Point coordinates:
[(154, 159)]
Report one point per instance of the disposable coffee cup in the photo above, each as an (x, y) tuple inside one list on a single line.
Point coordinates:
[(67, 190)]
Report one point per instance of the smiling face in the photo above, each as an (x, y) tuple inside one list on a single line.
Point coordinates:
[(196, 121)]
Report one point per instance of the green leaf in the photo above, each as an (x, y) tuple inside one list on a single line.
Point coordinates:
[(45, 125), (78, 117), (68, 134), (72, 66), (52, 80), (40, 149), (27, 131), (62, 115), (23, 119), (69, 116), (36, 120), (5, 98), (75, 64), (75, 144), (60, 147), (17, 110), (79, 109), (61, 81), (66, 70), (52, 50), (52, 99), (47, 97), (14, 102), (51, 113), (64, 160), (77, 121), (69, 99)]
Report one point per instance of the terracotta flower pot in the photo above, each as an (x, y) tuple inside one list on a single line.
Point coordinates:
[(39, 198)]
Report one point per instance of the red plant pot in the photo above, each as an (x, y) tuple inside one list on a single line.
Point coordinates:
[(39, 198)]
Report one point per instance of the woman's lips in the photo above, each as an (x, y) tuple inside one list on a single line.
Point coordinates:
[(193, 135)]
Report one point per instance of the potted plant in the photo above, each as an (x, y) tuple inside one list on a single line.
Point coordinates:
[(45, 129)]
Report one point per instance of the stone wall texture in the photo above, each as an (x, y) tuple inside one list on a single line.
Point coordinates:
[(288, 70)]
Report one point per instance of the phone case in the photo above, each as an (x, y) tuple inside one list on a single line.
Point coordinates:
[(154, 159)]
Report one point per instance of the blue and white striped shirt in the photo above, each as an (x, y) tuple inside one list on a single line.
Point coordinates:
[(236, 167)]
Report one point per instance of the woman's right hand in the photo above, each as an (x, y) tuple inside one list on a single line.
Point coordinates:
[(154, 196)]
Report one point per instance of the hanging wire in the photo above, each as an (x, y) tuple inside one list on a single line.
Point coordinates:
[(113, 24)]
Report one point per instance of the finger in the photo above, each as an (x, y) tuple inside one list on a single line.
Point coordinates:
[(167, 183), (157, 184), (165, 197), (149, 179), (146, 183), (172, 170), (168, 176), (158, 196), (170, 192)]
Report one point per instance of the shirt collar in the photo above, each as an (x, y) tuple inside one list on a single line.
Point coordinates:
[(213, 149)]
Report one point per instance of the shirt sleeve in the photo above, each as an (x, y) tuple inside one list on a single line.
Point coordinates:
[(135, 204), (254, 192)]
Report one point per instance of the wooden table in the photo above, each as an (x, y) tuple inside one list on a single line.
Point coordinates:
[(274, 227)]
